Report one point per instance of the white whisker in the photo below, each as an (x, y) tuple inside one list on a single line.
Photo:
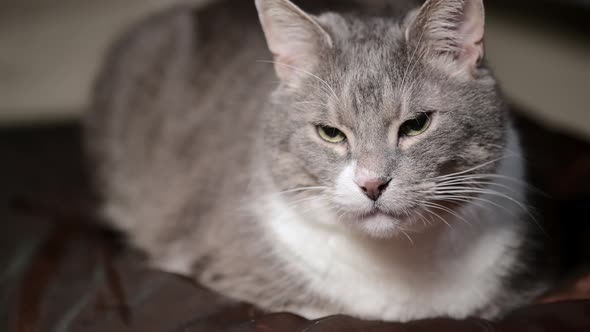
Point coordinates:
[(470, 199), (469, 184), (438, 216), (305, 72), (423, 219), (301, 189), (468, 170), (411, 61), (309, 103), (484, 176), (463, 190), (406, 235), (444, 208)]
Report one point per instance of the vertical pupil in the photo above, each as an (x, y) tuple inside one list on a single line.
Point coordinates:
[(332, 132), (418, 123)]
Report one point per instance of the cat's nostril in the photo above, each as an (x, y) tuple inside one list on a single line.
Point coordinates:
[(374, 188)]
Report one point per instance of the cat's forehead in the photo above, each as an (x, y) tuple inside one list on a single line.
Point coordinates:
[(370, 54), (369, 74), (367, 93), (363, 29), (374, 74)]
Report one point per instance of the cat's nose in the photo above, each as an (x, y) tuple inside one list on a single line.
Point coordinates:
[(373, 188)]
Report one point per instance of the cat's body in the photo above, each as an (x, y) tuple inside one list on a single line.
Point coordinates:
[(203, 172)]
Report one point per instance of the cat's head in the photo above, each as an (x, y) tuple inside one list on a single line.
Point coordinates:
[(373, 113)]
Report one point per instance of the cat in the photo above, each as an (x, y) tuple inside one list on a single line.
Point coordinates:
[(371, 168)]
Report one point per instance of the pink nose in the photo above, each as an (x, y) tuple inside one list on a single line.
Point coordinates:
[(373, 188)]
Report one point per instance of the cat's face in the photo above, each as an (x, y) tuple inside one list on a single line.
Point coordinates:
[(372, 123)]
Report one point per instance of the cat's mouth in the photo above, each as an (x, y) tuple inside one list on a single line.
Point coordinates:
[(378, 213)]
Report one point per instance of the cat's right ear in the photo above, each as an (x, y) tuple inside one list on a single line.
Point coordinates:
[(294, 37), (452, 30)]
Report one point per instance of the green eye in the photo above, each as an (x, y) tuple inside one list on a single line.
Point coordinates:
[(330, 134), (416, 126)]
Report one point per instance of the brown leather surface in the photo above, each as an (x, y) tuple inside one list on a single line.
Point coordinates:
[(59, 271)]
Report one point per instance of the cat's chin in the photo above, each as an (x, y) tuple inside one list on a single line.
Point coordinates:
[(382, 225)]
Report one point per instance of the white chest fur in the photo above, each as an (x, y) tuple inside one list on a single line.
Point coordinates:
[(399, 280), (446, 271)]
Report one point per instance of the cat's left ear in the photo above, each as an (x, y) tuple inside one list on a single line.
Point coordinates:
[(453, 29), (294, 37)]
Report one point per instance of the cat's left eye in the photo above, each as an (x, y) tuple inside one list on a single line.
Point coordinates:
[(416, 126), (331, 134)]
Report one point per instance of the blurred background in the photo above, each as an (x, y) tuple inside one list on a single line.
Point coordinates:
[(50, 51), (58, 271)]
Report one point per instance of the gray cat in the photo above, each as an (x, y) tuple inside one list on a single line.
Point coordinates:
[(380, 176)]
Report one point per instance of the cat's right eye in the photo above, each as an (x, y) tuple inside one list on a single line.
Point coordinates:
[(331, 134), (416, 126)]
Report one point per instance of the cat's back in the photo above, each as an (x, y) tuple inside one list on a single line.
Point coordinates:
[(175, 111)]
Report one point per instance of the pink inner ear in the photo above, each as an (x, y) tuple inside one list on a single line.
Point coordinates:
[(291, 48), (292, 56), (471, 33), (283, 66), (293, 37), (281, 58)]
